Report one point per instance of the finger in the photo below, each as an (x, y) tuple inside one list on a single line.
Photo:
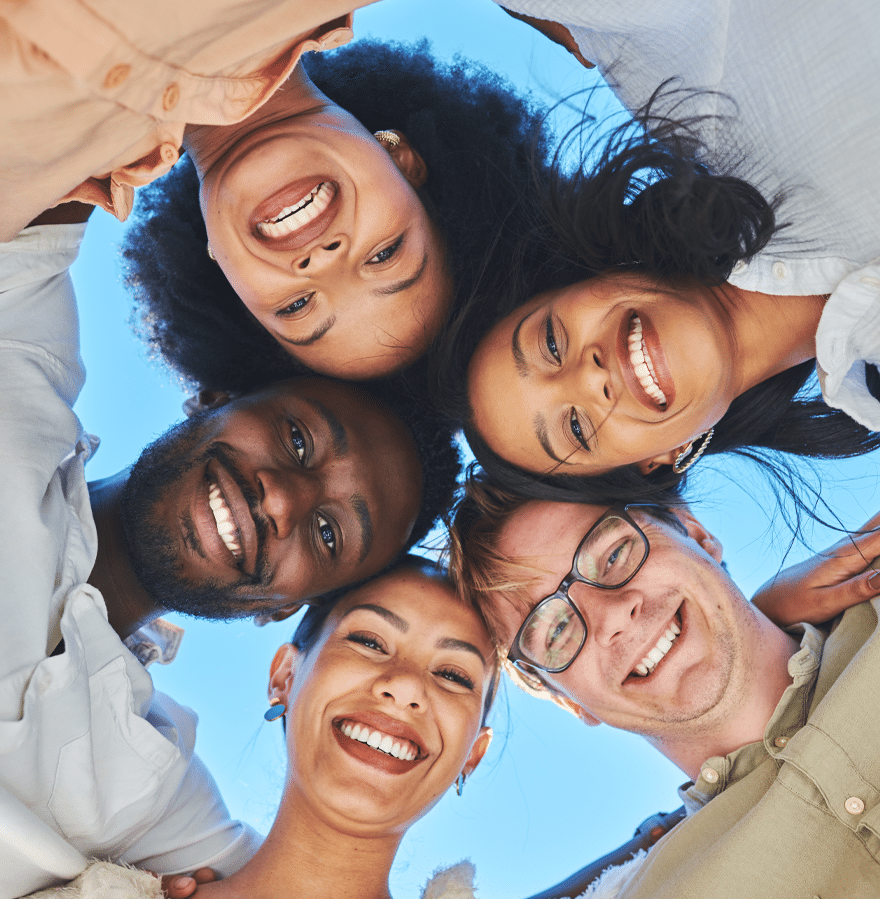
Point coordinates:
[(178, 886), (205, 875)]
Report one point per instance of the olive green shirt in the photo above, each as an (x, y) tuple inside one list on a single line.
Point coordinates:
[(795, 816)]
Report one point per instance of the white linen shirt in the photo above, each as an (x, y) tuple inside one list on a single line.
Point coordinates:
[(92, 761), (804, 78)]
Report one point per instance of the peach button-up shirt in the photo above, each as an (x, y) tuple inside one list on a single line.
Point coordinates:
[(94, 98)]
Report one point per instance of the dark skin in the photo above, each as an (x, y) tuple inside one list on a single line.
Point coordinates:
[(557, 33)]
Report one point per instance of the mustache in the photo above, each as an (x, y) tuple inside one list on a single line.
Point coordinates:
[(225, 455)]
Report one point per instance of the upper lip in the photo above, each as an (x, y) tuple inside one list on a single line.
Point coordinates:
[(658, 359), (241, 513), (287, 196), (394, 727)]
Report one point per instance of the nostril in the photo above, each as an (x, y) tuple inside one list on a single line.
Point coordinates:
[(333, 246), (607, 392), (304, 263)]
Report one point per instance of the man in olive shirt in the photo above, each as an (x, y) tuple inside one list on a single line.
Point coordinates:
[(630, 619)]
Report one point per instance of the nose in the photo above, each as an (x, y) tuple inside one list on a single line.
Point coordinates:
[(609, 614), (402, 684), (320, 257), (594, 377), (286, 495)]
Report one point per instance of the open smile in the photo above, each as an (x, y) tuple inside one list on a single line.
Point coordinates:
[(380, 742), (644, 365), (659, 651), (297, 214), (223, 520)]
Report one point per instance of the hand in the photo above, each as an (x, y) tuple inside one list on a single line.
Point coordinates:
[(826, 584), (181, 886)]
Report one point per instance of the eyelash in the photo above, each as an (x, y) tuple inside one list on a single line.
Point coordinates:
[(550, 340), (299, 443), (577, 431), (324, 524), (373, 642), (296, 306), (388, 253), (325, 530)]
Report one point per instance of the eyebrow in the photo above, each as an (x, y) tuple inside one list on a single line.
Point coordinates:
[(362, 511), (400, 286), (519, 357), (403, 626), (314, 337), (541, 433)]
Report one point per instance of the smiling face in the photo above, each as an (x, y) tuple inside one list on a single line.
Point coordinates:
[(604, 373), (669, 654), (320, 231), (385, 710), (270, 499)]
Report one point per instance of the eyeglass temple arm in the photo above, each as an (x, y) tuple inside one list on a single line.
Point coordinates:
[(646, 835)]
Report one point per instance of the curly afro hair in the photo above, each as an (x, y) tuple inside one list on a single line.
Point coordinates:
[(481, 144)]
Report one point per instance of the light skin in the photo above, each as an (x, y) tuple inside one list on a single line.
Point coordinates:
[(360, 290), (715, 689), (322, 487), (400, 655), (574, 400)]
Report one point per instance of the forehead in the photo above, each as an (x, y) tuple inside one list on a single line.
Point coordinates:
[(547, 530)]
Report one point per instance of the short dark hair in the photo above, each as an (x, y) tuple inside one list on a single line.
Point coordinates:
[(645, 203), (480, 142)]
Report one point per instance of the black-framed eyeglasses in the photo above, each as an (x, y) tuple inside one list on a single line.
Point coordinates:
[(609, 556)]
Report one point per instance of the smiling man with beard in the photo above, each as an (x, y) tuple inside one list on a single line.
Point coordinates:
[(253, 506), (625, 616)]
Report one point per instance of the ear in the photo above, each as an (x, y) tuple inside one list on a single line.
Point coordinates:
[(282, 671), (205, 400), (264, 618), (577, 710), (408, 160), (648, 465), (709, 542), (478, 750)]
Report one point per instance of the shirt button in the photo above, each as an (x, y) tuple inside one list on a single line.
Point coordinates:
[(170, 97), (710, 775), (779, 270), (780, 742), (116, 76), (854, 805)]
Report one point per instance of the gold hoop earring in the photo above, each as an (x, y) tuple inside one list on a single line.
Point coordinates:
[(682, 463), (211, 255), (387, 137)]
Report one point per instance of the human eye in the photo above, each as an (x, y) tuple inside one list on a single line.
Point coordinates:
[(371, 641), (299, 443), (618, 558), (386, 254), (327, 534), (577, 430), (550, 340), (456, 677), (297, 305)]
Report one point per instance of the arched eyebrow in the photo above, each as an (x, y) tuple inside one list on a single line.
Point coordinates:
[(314, 337), (406, 283), (519, 357)]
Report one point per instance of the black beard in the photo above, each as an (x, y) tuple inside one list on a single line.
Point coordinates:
[(152, 551)]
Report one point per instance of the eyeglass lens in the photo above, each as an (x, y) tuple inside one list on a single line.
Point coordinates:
[(554, 633)]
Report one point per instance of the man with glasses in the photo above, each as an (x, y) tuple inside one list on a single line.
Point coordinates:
[(626, 616)]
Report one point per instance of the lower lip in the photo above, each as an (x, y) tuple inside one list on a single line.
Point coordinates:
[(658, 360), (373, 757), (291, 195)]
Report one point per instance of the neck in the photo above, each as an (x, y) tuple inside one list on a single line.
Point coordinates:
[(207, 144), (304, 856), (128, 606), (744, 712), (772, 333)]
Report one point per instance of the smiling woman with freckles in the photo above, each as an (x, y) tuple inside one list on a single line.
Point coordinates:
[(333, 230), (643, 341)]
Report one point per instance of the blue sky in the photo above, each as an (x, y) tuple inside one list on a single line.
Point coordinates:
[(551, 794)]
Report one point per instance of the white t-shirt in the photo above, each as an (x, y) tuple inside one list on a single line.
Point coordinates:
[(92, 760)]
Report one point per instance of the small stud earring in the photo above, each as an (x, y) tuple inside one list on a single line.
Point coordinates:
[(276, 710), (387, 137)]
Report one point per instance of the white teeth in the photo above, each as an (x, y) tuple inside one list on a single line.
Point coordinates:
[(292, 218), (225, 522), (643, 366), (401, 749), (658, 651)]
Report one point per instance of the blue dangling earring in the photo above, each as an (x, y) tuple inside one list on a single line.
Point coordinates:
[(276, 710), (459, 784)]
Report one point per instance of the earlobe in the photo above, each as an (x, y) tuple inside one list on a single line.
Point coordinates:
[(649, 465), (478, 750), (205, 400), (408, 160), (282, 671), (264, 618), (577, 710)]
